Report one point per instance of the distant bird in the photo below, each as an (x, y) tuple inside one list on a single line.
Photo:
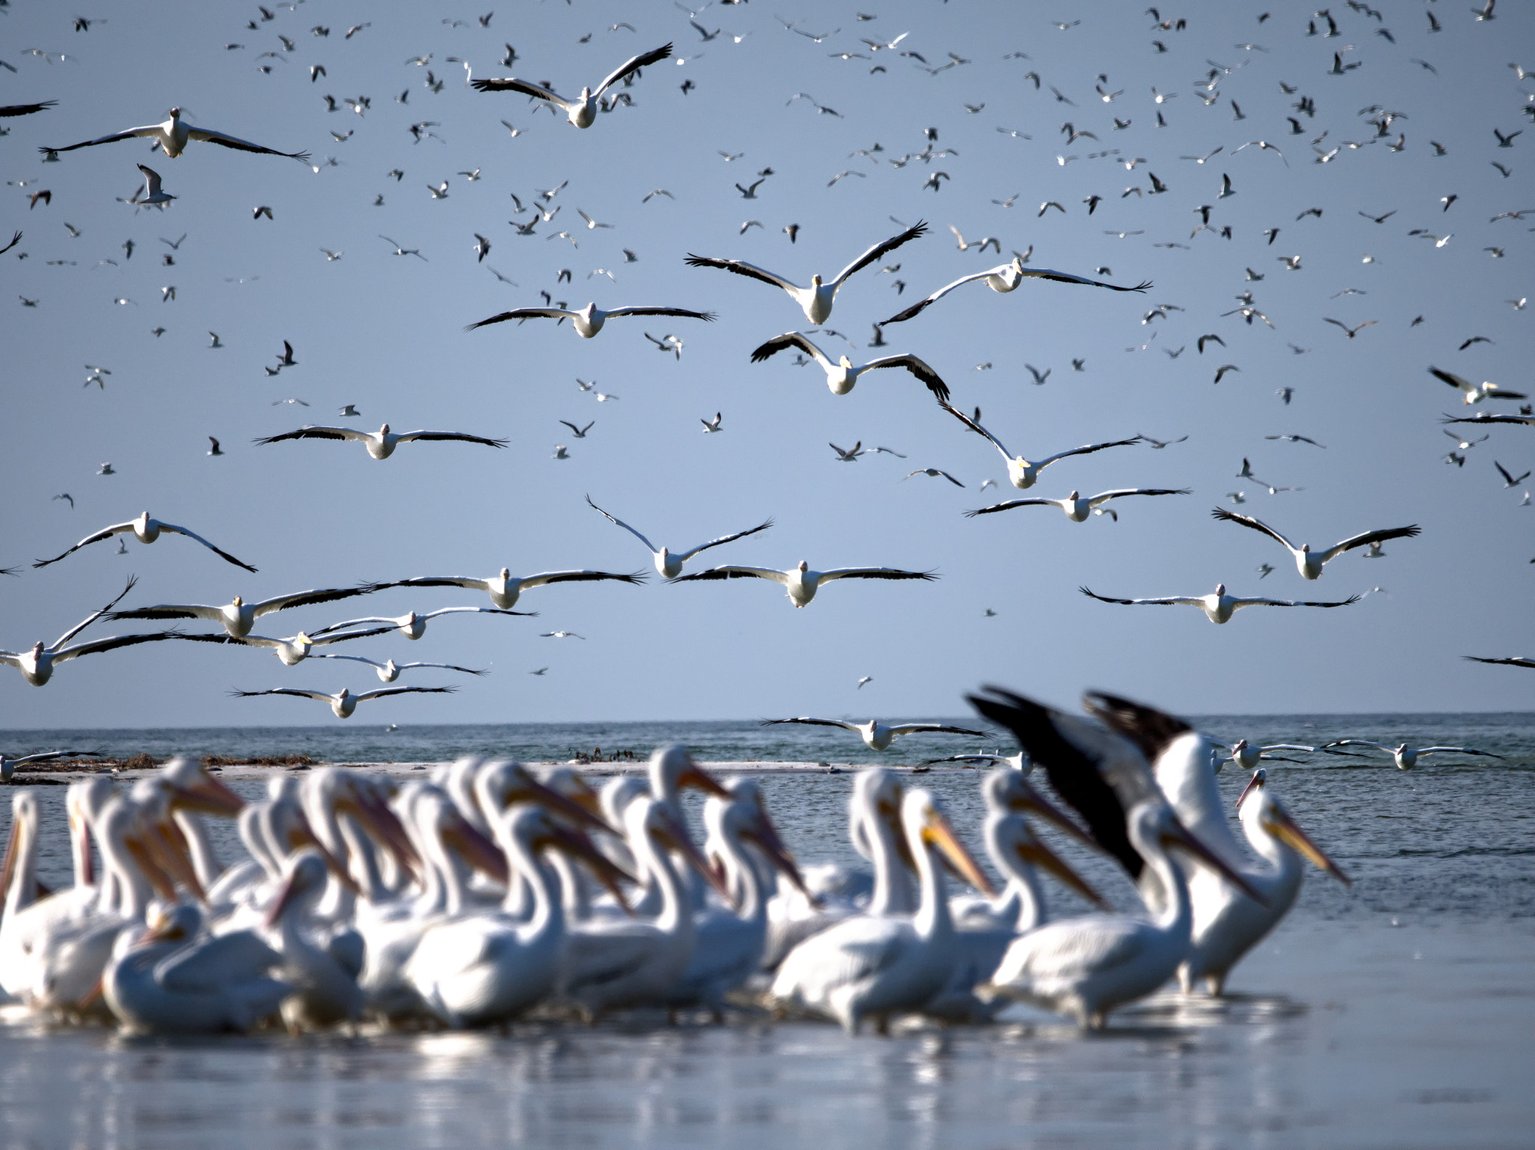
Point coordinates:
[(863, 681), (1021, 472), (9, 763), (579, 432), (588, 320), (581, 111), (1296, 439), (878, 735), (934, 473), (1247, 755), (286, 358), (1405, 755), (668, 563), (503, 588), (145, 529), (560, 635), (412, 624), (816, 300), (8, 110), (1077, 507), (800, 582), (173, 136), (404, 251), (388, 671), (714, 424), (1351, 332), (1308, 562), (848, 454), (1510, 661), (842, 375), (1510, 480), (153, 193), (1474, 392), (1005, 278), (380, 443), (344, 702), (1218, 606), (237, 617)]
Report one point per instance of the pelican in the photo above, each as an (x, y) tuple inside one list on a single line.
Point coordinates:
[(1405, 755), (1474, 392), (1219, 606), (1247, 755), (1508, 661), (588, 320), (800, 582), (582, 111), (842, 375), (1077, 507), (380, 443), (323, 980), (9, 763), (412, 624), (173, 136), (294, 649), (344, 702), (1022, 473), (1309, 563), (1004, 278), (504, 589), (153, 194), (872, 967), (877, 735), (668, 562), (237, 616), (816, 300), (146, 530), (388, 670)]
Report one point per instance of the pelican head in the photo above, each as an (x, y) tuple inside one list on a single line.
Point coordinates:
[(383, 430), (802, 567), (1220, 589)]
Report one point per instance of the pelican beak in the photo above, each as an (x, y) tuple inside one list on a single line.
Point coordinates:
[(477, 849), (583, 809), (13, 848), (385, 826), (1034, 802), (701, 780), (164, 885), (1180, 836), (578, 844), (765, 835), (1278, 822), (937, 830), (167, 840), (208, 795), (1037, 854), (85, 861), (673, 836)]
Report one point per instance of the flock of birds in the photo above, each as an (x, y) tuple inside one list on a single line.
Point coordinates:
[(488, 892)]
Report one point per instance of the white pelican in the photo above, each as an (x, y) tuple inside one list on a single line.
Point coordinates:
[(1508, 661), (344, 702), (668, 562), (380, 443), (874, 967), (800, 582), (1248, 755), (388, 670), (1474, 392), (503, 588), (843, 374), (1078, 507), (1022, 472), (9, 763), (582, 111), (323, 981), (412, 624), (146, 530), (588, 320), (1405, 755), (296, 648), (816, 300), (237, 616), (1308, 562), (1219, 606), (37, 664), (153, 193), (878, 735), (173, 136), (1004, 278), (174, 980)]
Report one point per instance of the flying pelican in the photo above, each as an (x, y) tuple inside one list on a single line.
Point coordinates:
[(816, 300), (1218, 606), (877, 735), (1021, 472), (588, 320), (380, 443), (1474, 392), (412, 624), (1405, 755), (173, 136), (344, 702), (1004, 278), (800, 582), (146, 530), (668, 562), (9, 763), (1078, 508), (503, 588), (1308, 562), (1510, 661), (152, 191), (388, 671), (237, 616), (1247, 755), (296, 648), (582, 111), (842, 375)]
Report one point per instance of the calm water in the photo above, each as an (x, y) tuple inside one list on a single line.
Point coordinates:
[(1398, 1012)]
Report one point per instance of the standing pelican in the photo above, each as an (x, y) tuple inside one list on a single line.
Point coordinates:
[(842, 375), (1004, 278), (1022, 472), (145, 529), (173, 135), (668, 562), (380, 443), (800, 582), (1219, 606), (582, 111), (877, 735), (1310, 563)]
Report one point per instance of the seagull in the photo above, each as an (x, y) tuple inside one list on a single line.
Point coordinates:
[(848, 454), (669, 563), (173, 136), (842, 375), (237, 616), (213, 446), (933, 473), (152, 191), (1510, 481), (412, 624), (1310, 563), (1076, 507), (388, 671), (559, 635), (712, 424), (343, 702), (588, 320), (1004, 278), (816, 300), (800, 582), (1022, 473), (1474, 392), (503, 588), (380, 443), (582, 111), (578, 432), (1219, 606), (877, 735), (146, 529), (1405, 755)]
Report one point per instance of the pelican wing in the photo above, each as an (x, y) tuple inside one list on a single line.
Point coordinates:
[(1165, 601), (1460, 383), (420, 581), (1357, 743), (1063, 952), (875, 573), (1120, 492), (523, 313), (731, 538), (213, 965), (805, 720), (314, 431), (512, 84), (939, 728), (1510, 661), (1240, 602), (649, 309), (1087, 449), (380, 692), (460, 436), (152, 130), (1008, 505), (918, 368), (909, 312), (741, 268), (94, 615), (1368, 537), (791, 339), (1255, 524), (734, 572), (878, 250), (104, 533), (26, 109), (611, 518), (92, 646), (633, 64), (583, 576), (975, 426), (296, 692), (1068, 278), (228, 141), (220, 552)]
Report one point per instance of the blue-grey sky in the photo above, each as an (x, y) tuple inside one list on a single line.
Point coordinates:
[(959, 118)]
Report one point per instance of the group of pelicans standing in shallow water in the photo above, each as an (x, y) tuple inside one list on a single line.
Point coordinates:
[(485, 892)]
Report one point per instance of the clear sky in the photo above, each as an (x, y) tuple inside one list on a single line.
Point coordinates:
[(798, 88)]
